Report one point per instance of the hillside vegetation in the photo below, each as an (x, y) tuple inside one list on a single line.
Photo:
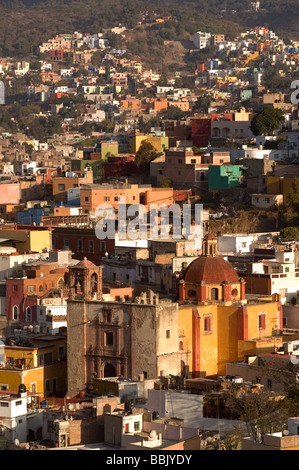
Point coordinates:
[(25, 24)]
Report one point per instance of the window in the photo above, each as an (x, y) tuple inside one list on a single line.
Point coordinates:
[(269, 383), (167, 333), (192, 293), (15, 287), (28, 314), (48, 358), (80, 245), (30, 289), (40, 360), (61, 187), (214, 293), (66, 244), (86, 198), (4, 404), (108, 339), (90, 246), (136, 426), (207, 320), (15, 312), (262, 321), (18, 402)]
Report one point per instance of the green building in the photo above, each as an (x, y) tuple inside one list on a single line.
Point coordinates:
[(96, 166), (225, 176), (101, 150)]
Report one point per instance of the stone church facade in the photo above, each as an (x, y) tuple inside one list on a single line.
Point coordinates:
[(109, 339)]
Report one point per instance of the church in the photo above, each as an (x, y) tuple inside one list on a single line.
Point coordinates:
[(112, 338), (217, 323)]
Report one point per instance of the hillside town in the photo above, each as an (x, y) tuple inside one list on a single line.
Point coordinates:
[(129, 338)]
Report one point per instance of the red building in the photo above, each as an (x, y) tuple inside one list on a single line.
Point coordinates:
[(83, 242), (120, 166), (201, 131), (37, 281), (56, 54)]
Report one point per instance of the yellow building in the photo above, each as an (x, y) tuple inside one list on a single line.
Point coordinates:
[(26, 239), (280, 185), (41, 367), (160, 142), (219, 325)]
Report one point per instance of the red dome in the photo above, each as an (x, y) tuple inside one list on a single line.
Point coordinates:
[(210, 236), (211, 270), (85, 263)]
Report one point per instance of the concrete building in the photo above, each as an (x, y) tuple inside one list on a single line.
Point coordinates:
[(201, 40), (266, 201), (17, 420), (284, 440), (274, 276)]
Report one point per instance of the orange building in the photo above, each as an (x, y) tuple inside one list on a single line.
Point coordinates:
[(73, 179), (94, 195), (130, 103), (216, 324)]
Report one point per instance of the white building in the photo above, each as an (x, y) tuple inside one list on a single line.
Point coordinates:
[(51, 315), (15, 419), (201, 40), (242, 242), (282, 273)]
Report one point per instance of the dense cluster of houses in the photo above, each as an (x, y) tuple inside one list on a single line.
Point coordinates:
[(133, 335)]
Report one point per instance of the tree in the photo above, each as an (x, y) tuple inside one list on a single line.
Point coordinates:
[(267, 121), (289, 233), (145, 154), (173, 113), (261, 412), (293, 196)]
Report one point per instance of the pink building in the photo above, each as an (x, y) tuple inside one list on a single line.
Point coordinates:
[(10, 193)]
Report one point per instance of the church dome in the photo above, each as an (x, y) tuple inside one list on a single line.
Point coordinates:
[(211, 270), (85, 263)]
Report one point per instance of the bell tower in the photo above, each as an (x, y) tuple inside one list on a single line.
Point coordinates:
[(85, 281)]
